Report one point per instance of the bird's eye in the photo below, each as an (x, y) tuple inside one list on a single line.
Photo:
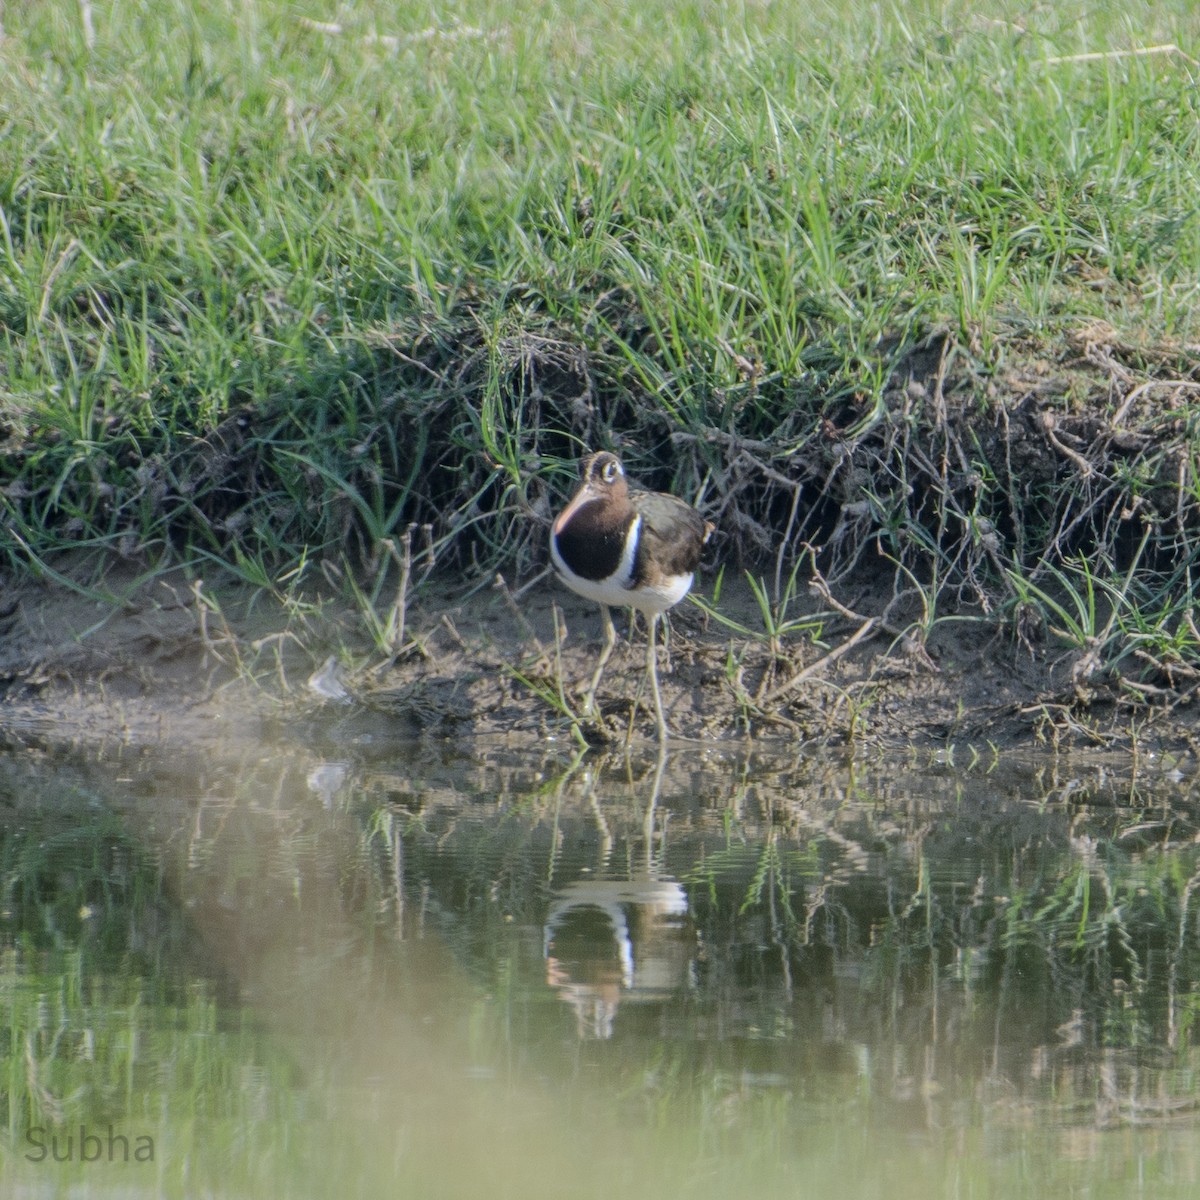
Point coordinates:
[(610, 471)]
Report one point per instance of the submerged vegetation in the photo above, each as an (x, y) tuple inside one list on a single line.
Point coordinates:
[(909, 287)]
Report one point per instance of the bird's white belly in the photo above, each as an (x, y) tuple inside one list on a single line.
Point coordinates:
[(667, 593)]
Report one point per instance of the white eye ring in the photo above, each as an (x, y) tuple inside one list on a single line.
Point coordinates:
[(611, 471)]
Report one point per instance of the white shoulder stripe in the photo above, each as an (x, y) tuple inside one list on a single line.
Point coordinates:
[(623, 576)]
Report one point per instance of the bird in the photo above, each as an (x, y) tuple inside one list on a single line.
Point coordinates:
[(618, 544)]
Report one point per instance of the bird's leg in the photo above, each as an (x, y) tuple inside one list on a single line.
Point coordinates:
[(652, 671), (610, 640)]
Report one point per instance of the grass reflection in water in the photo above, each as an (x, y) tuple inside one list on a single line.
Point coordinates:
[(448, 976)]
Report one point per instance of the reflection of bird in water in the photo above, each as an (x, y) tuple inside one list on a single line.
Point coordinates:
[(608, 942)]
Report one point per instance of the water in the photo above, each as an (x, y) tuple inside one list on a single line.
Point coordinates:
[(514, 975)]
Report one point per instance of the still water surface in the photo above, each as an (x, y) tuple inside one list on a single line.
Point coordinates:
[(508, 974)]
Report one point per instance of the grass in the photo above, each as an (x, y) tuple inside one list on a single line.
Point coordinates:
[(912, 278)]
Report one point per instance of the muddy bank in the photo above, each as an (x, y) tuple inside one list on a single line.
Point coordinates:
[(170, 662)]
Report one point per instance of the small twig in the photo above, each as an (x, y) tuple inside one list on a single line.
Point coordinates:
[(389, 342), (1185, 697), (501, 585), (786, 481), (1149, 385), (452, 630), (1190, 621), (1137, 52), (205, 607), (746, 368), (732, 440), (864, 630), (819, 586), (1085, 468), (1169, 669), (1148, 689), (529, 584)]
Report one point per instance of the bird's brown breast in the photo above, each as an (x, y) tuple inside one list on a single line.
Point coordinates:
[(592, 542)]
